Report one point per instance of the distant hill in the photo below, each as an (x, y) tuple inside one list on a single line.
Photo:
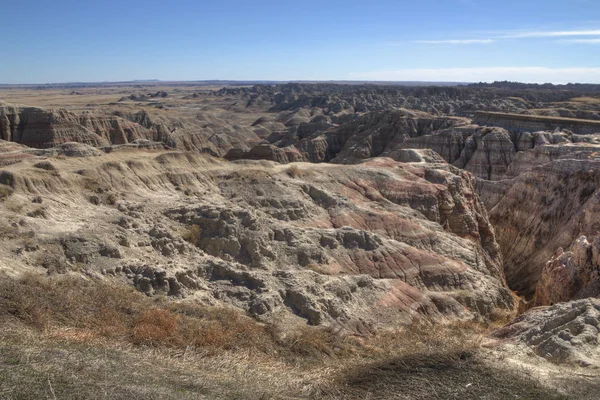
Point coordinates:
[(576, 87), (154, 82)]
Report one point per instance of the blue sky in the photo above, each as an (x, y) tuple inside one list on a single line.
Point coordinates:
[(451, 40)]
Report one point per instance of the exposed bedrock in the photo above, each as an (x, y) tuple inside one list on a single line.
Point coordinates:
[(490, 153), (571, 275), (376, 242), (485, 152), (534, 123), (370, 135), (42, 128), (47, 128), (335, 99), (546, 208), (564, 333)]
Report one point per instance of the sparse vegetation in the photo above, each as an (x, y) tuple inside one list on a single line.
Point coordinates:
[(5, 192), (390, 242), (47, 165), (111, 199), (192, 234), (107, 330), (295, 171), (39, 212)]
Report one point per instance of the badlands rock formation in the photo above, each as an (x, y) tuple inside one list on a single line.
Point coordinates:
[(536, 184), (544, 209), (41, 128), (564, 333), (45, 128), (358, 208), (359, 245), (574, 274), (534, 123)]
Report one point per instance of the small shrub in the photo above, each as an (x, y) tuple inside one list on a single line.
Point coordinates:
[(95, 200), (294, 172), (193, 234), (319, 269), (52, 262), (5, 192), (39, 212), (111, 199), (46, 165), (8, 231)]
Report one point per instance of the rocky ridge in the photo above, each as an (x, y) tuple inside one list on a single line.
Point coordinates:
[(378, 241)]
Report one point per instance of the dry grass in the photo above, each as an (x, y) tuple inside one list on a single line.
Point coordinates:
[(117, 343), (294, 171), (5, 192), (104, 310), (192, 234), (39, 212), (108, 311), (586, 100), (7, 231)]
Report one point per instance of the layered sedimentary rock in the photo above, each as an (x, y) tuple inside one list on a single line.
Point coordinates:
[(371, 135), (534, 123), (571, 275), (41, 128), (335, 99), (376, 242), (46, 128), (541, 210), (12, 153), (485, 152), (564, 333), (36, 127)]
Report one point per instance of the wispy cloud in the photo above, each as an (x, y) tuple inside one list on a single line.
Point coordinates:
[(485, 74), (456, 41), (550, 34), (524, 35), (581, 41)]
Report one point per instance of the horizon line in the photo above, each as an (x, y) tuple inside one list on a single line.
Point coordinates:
[(277, 81)]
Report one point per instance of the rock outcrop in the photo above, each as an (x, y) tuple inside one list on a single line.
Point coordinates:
[(41, 128), (541, 210), (340, 99), (47, 128), (534, 123), (363, 244), (571, 275), (564, 333)]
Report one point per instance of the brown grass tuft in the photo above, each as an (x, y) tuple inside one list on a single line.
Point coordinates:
[(295, 171), (39, 212), (155, 326), (5, 192), (192, 234)]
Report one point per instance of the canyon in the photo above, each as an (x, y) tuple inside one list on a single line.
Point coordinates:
[(359, 208)]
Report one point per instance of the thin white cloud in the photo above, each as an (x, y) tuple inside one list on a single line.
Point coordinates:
[(581, 41), (522, 35), (485, 74), (550, 34), (456, 41)]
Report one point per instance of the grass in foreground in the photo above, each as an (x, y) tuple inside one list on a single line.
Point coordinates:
[(69, 338)]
